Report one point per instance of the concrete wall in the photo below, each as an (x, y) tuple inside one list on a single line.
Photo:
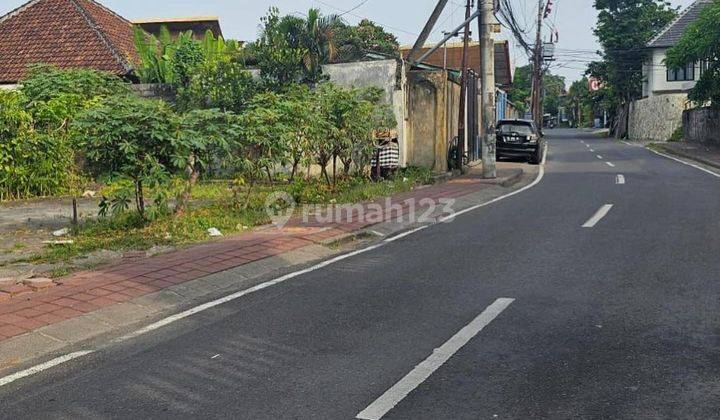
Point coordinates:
[(154, 91), (384, 74), (702, 125), (433, 111), (656, 118)]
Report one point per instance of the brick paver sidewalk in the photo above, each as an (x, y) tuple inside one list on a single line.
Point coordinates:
[(24, 308)]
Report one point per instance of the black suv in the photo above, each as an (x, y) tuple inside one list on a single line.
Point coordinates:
[(520, 139)]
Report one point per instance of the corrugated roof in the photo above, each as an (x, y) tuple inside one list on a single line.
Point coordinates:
[(503, 67), (66, 34), (672, 33)]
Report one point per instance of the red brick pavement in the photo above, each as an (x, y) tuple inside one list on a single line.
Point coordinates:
[(23, 310)]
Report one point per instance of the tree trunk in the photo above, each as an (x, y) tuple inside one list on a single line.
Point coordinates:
[(334, 178), (269, 175), (193, 175), (247, 196), (295, 164), (140, 198)]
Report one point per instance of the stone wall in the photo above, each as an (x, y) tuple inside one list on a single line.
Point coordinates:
[(154, 91), (656, 118), (701, 125)]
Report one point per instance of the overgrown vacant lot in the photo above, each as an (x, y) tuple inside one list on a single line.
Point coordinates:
[(215, 204)]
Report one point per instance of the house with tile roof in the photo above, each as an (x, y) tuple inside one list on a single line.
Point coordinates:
[(66, 34), (658, 79)]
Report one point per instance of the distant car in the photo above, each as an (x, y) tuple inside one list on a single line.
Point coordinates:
[(520, 139)]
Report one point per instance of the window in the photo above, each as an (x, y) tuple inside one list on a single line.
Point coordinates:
[(683, 74), (704, 65)]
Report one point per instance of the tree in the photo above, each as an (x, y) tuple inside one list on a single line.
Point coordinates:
[(202, 139), (277, 54), (223, 83), (522, 90), (292, 49), (624, 29), (131, 138), (354, 42), (554, 87), (701, 43), (156, 55)]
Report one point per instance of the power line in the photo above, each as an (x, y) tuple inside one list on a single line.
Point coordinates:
[(361, 4), (365, 17)]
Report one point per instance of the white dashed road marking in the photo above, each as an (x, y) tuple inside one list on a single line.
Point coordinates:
[(610, 164), (598, 216), (620, 179)]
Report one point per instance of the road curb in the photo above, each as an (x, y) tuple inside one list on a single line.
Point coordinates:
[(100, 327), (684, 155)]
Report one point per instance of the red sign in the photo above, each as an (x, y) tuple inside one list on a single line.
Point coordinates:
[(594, 84)]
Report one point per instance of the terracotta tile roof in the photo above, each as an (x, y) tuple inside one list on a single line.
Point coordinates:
[(67, 34)]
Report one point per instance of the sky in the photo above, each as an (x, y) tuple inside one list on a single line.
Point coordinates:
[(574, 19)]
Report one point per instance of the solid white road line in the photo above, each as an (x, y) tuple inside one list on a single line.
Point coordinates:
[(43, 366), (541, 174), (171, 319), (707, 171), (599, 156), (604, 210), (620, 179), (421, 372), (610, 164)]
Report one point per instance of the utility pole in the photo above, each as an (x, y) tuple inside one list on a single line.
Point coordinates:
[(487, 78), (463, 90), (537, 69), (420, 42)]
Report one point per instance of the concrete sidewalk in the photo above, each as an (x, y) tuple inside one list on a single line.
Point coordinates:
[(38, 319), (706, 154)]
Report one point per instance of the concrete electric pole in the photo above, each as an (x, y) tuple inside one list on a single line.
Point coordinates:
[(487, 75), (463, 91), (537, 70)]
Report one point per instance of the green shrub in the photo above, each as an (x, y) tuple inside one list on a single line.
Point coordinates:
[(677, 135), (31, 163), (44, 83), (130, 138)]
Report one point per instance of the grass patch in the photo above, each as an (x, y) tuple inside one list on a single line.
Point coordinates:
[(213, 206)]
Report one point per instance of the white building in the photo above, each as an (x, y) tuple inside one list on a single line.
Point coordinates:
[(658, 79)]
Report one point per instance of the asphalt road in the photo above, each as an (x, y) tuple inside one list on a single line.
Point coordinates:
[(617, 320)]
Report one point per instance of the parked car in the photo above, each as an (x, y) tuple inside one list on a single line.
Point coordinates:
[(520, 139)]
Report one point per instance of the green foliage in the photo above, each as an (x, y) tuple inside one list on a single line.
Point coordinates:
[(521, 93), (624, 28), (221, 83), (32, 162), (701, 43), (278, 52), (44, 83), (131, 138), (522, 88), (156, 56), (354, 42), (188, 55), (677, 135), (582, 103)]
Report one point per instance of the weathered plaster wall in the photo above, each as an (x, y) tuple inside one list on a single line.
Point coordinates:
[(433, 110), (383, 74), (702, 125), (656, 118)]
